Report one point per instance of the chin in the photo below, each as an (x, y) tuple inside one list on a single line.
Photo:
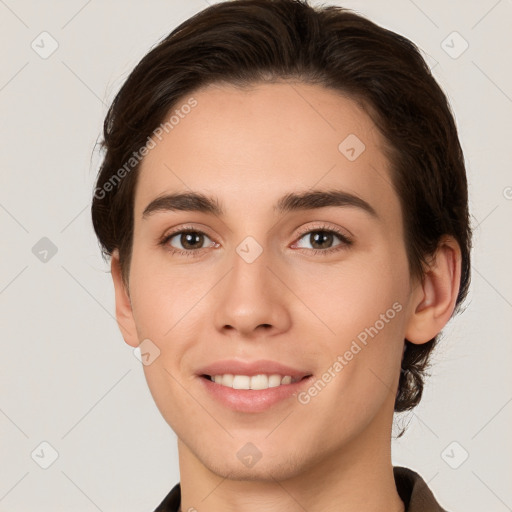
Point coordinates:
[(267, 469)]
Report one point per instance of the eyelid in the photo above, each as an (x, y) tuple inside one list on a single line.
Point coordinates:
[(197, 228), (343, 232)]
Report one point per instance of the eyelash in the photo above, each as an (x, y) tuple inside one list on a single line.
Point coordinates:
[(345, 241)]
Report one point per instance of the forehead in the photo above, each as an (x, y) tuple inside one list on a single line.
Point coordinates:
[(251, 146)]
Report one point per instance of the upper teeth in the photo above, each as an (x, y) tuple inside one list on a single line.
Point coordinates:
[(252, 382)]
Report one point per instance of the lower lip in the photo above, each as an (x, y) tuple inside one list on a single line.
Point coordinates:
[(252, 400)]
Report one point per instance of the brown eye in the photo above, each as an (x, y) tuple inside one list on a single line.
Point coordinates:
[(323, 240), (187, 240)]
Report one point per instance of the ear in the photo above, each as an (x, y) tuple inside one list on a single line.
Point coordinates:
[(124, 313), (434, 298)]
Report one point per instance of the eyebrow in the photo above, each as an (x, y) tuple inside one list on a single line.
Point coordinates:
[(313, 199)]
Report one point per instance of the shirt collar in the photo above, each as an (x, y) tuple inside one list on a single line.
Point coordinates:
[(411, 488)]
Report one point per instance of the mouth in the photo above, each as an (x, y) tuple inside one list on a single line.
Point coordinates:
[(252, 386), (254, 382)]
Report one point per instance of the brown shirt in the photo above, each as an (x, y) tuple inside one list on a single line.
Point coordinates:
[(412, 489)]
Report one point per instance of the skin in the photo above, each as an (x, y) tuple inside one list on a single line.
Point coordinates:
[(250, 147)]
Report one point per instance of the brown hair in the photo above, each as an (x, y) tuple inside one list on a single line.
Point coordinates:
[(241, 42)]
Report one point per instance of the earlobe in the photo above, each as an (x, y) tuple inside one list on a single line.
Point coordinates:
[(435, 297), (124, 313)]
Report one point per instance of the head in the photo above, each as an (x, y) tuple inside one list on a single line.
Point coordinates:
[(245, 103)]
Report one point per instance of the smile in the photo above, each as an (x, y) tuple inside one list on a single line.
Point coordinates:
[(255, 382)]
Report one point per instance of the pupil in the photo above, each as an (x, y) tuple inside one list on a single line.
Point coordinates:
[(188, 238), (322, 235)]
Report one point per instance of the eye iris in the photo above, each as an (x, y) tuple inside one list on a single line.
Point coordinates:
[(323, 238), (187, 238)]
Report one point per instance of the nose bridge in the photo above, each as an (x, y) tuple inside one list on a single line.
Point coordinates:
[(250, 294), (250, 275), (249, 253)]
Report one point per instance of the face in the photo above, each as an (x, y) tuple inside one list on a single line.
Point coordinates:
[(316, 288)]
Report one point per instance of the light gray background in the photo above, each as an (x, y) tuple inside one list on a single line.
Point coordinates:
[(68, 378)]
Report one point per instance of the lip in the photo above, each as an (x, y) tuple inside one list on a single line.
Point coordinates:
[(249, 400)]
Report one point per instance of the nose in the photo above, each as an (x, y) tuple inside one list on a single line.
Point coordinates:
[(252, 300)]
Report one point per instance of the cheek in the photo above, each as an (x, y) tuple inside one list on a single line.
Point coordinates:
[(170, 392), (164, 299), (362, 308), (349, 298)]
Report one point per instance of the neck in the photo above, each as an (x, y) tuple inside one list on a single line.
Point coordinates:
[(358, 477)]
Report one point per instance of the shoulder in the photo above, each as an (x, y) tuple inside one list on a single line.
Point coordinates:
[(414, 491), (171, 502)]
